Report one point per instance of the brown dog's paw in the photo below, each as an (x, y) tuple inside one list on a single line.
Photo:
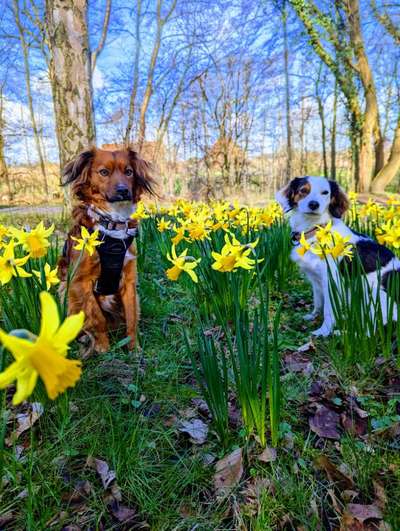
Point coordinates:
[(102, 344)]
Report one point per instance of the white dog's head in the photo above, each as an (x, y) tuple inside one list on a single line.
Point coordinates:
[(313, 196)]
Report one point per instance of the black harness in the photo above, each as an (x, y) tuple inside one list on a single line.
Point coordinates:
[(112, 255)]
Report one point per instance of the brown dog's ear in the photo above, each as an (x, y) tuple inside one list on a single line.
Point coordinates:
[(143, 180), (77, 168), (339, 202), (286, 196)]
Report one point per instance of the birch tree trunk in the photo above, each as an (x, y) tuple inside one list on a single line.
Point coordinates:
[(70, 75)]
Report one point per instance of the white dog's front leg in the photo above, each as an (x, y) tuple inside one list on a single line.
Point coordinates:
[(329, 320), (318, 298)]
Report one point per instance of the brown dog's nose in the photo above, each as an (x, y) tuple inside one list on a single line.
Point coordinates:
[(123, 191), (313, 205)]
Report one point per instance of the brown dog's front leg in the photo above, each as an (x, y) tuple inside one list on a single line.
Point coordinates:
[(130, 301), (81, 297)]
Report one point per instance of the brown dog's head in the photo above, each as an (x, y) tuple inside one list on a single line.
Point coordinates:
[(104, 177)]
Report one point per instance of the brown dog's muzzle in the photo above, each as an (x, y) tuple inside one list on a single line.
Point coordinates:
[(121, 193)]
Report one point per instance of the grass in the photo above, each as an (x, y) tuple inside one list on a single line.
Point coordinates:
[(123, 412)]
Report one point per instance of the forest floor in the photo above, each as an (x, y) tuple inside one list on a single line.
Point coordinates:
[(115, 452)]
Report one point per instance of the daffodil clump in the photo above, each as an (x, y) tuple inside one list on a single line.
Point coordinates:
[(18, 246), (221, 235), (378, 220), (327, 242), (27, 266)]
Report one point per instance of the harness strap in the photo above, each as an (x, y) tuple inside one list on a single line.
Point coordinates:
[(296, 236), (108, 223), (112, 255)]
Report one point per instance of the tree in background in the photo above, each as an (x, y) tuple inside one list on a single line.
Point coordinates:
[(341, 30), (71, 65)]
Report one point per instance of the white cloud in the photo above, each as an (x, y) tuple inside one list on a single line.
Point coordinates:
[(98, 79)]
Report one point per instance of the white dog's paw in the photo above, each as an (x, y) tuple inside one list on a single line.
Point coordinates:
[(311, 316), (324, 331)]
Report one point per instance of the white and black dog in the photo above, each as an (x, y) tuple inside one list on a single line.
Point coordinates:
[(314, 201)]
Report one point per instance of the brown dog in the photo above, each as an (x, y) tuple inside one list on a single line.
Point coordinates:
[(107, 184)]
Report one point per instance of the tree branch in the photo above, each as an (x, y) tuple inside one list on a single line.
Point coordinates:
[(95, 54)]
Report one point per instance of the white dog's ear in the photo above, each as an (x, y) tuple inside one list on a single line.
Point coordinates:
[(282, 196)]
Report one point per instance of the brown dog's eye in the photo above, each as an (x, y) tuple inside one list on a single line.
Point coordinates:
[(325, 192), (129, 172), (104, 172)]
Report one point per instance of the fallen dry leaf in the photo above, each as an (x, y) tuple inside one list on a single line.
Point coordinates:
[(122, 513), (380, 495), (325, 423), (268, 455), (106, 474), (355, 425), (342, 481), (196, 429), (82, 490), (364, 512), (228, 472), (25, 421), (298, 362), (252, 493)]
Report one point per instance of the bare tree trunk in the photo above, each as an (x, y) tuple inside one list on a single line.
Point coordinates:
[(95, 54), (4, 175), (370, 128), (132, 100), (161, 21), (25, 53), (321, 114), (289, 161), (333, 133), (70, 75), (391, 168)]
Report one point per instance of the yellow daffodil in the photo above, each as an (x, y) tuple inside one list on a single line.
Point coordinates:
[(370, 209), (389, 234), (50, 276), (304, 245), (44, 355), (87, 242), (179, 235), (353, 196), (198, 231), (11, 266), (233, 255), (4, 231), (182, 263), (140, 212), (34, 241), (224, 261), (324, 234), (392, 200), (163, 225), (338, 246)]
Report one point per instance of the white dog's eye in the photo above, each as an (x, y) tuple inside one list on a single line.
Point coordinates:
[(325, 192)]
